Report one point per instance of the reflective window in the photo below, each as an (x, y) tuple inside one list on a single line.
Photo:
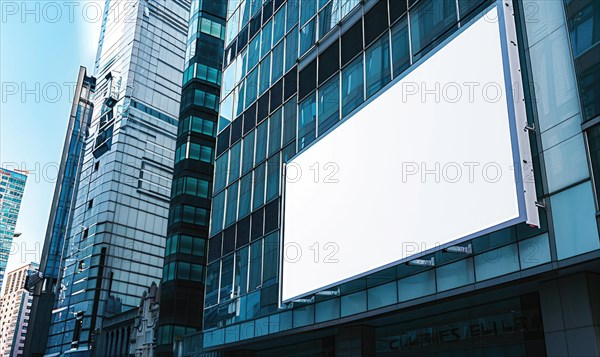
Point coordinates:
[(273, 175), (307, 36), (271, 259), (430, 22), (275, 131), (221, 172), (251, 86), (258, 198), (279, 25), (352, 86), (289, 126), (291, 49), (255, 265), (308, 8), (232, 196), (278, 58), (265, 74), (574, 215), (329, 104), (267, 33), (218, 210), (307, 115), (261, 142), (241, 271), (248, 152), (400, 47), (378, 71), (245, 195), (329, 16), (234, 167)]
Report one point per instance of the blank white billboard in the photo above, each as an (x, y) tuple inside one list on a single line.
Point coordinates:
[(439, 157)]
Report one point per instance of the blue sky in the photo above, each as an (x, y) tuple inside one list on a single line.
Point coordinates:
[(42, 45)]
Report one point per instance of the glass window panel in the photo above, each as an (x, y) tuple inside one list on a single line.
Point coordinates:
[(275, 131), (245, 195), (248, 152), (329, 104), (279, 25), (261, 142), (289, 126), (308, 8), (378, 71), (251, 86), (273, 175), (212, 284), (352, 86), (185, 244), (265, 74), (255, 265), (232, 201), (271, 259), (328, 17), (258, 198), (253, 52), (304, 316), (307, 36), (228, 80), (430, 22), (400, 47), (575, 227), (382, 295), (267, 35), (218, 208), (226, 278), (278, 57), (554, 76), (291, 49), (348, 5), (293, 13), (221, 172), (306, 121), (416, 286), (234, 167), (566, 163), (354, 303), (327, 310), (534, 251), (241, 271), (496, 262), (456, 274)]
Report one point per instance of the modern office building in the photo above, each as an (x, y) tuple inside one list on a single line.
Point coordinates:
[(115, 248), (15, 305), (187, 231), (298, 73), (61, 212), (12, 186)]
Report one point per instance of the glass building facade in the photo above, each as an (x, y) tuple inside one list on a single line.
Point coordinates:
[(292, 70), (12, 186), (115, 248), (182, 285), (60, 213)]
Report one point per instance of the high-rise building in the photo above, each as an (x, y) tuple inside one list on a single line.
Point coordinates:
[(297, 75), (60, 213), (187, 231), (115, 247), (12, 186), (15, 305)]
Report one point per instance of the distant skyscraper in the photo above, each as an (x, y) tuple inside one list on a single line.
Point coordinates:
[(182, 288), (15, 305), (61, 212), (12, 185), (115, 248)]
